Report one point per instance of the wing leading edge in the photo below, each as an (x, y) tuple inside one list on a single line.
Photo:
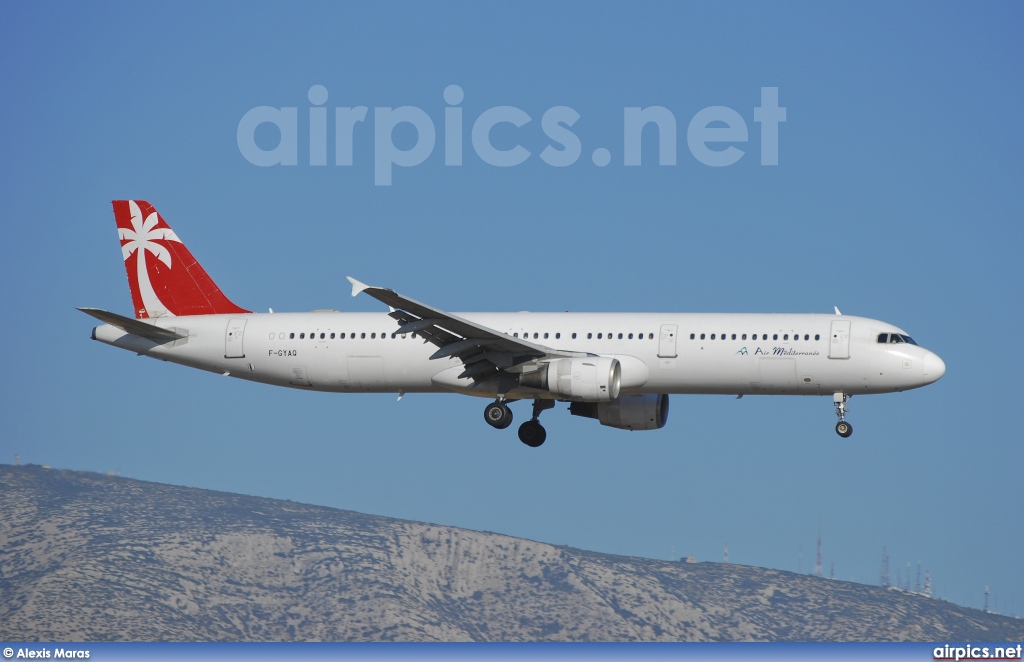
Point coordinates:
[(484, 351)]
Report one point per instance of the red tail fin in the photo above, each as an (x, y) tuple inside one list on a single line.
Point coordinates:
[(162, 274)]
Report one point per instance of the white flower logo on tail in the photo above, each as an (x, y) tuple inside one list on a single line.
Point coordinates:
[(141, 239)]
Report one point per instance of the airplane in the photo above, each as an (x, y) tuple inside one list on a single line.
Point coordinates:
[(617, 368)]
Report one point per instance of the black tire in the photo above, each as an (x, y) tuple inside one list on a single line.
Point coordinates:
[(498, 415), (844, 429), (532, 434)]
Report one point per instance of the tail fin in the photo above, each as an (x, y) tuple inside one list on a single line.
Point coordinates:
[(164, 278)]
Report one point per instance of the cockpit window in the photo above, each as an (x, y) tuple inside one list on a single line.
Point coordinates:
[(894, 339)]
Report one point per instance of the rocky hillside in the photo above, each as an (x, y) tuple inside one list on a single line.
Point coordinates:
[(90, 557)]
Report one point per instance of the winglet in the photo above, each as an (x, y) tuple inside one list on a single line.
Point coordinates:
[(357, 287)]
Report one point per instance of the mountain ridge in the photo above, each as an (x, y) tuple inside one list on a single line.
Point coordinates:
[(91, 557)]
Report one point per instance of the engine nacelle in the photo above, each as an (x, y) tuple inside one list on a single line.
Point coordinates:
[(628, 412), (592, 379)]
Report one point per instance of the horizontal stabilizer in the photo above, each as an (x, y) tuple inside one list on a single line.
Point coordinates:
[(134, 326)]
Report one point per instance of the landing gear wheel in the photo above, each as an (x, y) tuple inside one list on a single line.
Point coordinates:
[(843, 429), (532, 434), (498, 415)]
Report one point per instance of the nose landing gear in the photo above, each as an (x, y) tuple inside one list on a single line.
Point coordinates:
[(531, 432), (843, 429)]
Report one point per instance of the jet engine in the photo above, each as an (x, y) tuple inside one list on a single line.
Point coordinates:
[(591, 379), (627, 412)]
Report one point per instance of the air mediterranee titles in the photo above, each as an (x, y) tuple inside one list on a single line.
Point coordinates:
[(712, 134), (617, 368)]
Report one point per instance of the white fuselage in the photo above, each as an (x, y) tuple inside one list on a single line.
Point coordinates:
[(780, 354)]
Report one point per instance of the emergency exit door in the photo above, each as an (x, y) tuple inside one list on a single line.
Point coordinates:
[(667, 341)]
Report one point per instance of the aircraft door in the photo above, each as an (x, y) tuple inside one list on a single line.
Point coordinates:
[(233, 339), (667, 341), (298, 376), (839, 343)]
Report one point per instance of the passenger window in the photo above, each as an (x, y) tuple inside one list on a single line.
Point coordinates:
[(807, 336), (631, 336), (534, 335), (545, 335), (589, 336), (600, 336), (620, 336), (693, 336), (291, 336), (712, 336), (515, 335), (785, 337), (817, 336), (341, 336), (322, 336), (734, 336), (574, 335), (558, 336), (650, 336), (302, 336), (775, 336), (744, 336), (362, 336), (702, 336)]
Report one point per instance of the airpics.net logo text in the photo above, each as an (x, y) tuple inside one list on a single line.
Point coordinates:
[(716, 136)]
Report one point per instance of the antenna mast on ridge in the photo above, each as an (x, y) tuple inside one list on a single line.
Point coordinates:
[(817, 563)]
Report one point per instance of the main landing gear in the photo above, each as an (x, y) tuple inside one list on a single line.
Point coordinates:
[(532, 433), (843, 429), (498, 415)]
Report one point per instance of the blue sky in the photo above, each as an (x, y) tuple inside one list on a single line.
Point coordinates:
[(896, 197)]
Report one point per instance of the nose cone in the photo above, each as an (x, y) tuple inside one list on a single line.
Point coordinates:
[(934, 367)]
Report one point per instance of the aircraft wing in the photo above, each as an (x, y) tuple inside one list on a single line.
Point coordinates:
[(482, 350), (134, 326)]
